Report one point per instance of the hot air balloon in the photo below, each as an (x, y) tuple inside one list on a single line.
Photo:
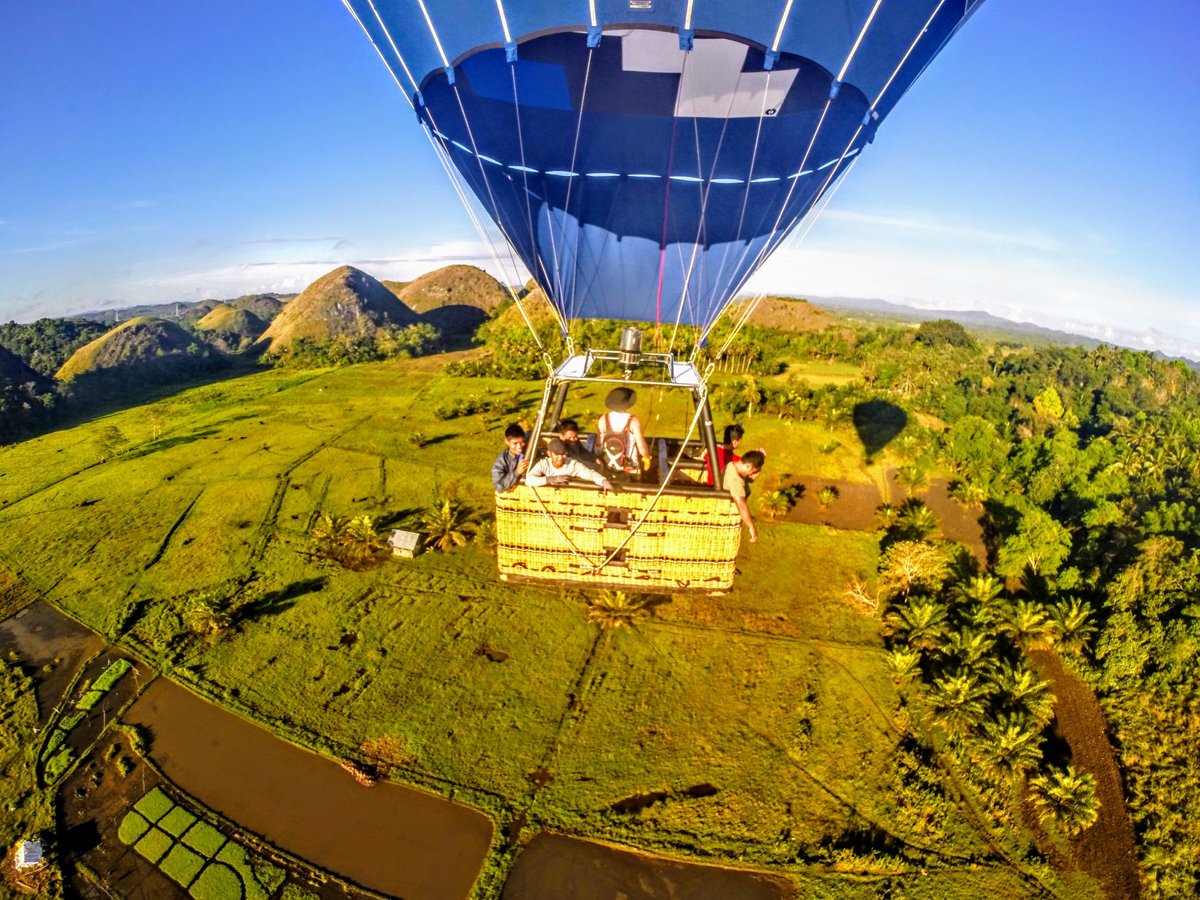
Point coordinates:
[(642, 158)]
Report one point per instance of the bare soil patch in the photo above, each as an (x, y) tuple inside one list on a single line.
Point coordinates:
[(855, 504)]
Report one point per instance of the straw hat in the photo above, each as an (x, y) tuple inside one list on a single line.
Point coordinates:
[(620, 399)]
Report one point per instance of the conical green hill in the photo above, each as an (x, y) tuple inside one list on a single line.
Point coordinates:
[(451, 286), (344, 303), (138, 341)]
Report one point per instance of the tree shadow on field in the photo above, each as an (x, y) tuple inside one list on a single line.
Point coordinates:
[(279, 601), (437, 439), (397, 518), (878, 423), (167, 443)]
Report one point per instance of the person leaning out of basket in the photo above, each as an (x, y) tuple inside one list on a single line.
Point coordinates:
[(738, 475), (558, 468), (568, 430), (511, 464), (621, 446)]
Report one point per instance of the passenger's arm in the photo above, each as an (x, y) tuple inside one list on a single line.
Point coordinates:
[(744, 512), (537, 475)]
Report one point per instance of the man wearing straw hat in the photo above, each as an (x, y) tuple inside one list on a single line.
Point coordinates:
[(621, 445)]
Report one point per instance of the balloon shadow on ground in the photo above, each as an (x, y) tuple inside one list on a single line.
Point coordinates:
[(878, 423)]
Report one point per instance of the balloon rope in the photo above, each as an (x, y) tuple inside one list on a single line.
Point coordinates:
[(791, 238), (716, 279), (587, 81), (769, 246), (705, 193), (836, 170), (662, 246), (387, 64), (524, 164), (489, 244), (496, 208), (443, 158)]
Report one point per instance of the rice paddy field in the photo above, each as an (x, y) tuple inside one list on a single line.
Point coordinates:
[(758, 729)]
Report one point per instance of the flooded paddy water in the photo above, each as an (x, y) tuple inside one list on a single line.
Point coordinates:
[(553, 867), (45, 640), (388, 838)]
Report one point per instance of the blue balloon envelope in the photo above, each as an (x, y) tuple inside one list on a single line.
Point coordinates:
[(644, 157)]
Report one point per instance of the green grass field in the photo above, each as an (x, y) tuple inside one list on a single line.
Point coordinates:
[(755, 728)]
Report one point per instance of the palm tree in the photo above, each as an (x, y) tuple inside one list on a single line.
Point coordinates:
[(1067, 797), (904, 664), (912, 476), (1029, 626), (968, 645), (327, 534), (206, 613), (967, 492), (958, 702), (1025, 690), (1072, 620), (615, 609), (448, 523), (361, 541), (917, 521), (920, 623), (981, 594), (773, 505), (1011, 745)]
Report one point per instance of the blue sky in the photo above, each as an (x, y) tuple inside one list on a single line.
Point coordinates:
[(1046, 167)]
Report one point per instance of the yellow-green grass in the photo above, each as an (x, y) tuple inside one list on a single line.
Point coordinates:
[(706, 691), (819, 374)]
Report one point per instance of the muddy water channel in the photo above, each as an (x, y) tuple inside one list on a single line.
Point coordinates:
[(554, 867), (392, 839), (46, 640)]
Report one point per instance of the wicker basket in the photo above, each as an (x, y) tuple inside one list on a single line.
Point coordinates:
[(581, 536)]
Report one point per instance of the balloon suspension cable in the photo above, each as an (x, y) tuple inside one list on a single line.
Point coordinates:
[(587, 80), (791, 240), (666, 480), (496, 213), (489, 243), (766, 92), (452, 172), (769, 246), (706, 191), (836, 170)]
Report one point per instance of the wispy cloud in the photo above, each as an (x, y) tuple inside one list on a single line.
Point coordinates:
[(924, 227), (290, 276), (297, 240), (1053, 292)]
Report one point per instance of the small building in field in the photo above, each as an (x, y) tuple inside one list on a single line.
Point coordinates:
[(29, 854), (405, 543)]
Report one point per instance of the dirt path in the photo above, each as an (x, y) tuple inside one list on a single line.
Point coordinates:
[(1106, 850)]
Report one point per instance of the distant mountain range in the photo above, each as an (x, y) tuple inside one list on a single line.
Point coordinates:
[(983, 323), (439, 296)]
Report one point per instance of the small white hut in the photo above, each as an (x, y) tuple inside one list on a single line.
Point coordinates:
[(405, 543), (29, 854)]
